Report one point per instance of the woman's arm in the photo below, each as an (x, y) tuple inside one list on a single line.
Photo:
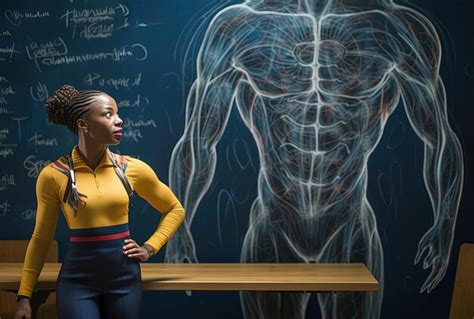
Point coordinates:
[(159, 196), (48, 205), (45, 227)]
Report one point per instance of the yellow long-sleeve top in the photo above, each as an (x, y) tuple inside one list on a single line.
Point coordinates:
[(106, 205)]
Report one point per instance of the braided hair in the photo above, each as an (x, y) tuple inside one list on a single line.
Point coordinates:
[(65, 107)]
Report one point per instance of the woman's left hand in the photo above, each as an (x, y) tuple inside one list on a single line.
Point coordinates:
[(133, 250)]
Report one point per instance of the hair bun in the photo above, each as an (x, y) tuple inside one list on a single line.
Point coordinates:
[(57, 106)]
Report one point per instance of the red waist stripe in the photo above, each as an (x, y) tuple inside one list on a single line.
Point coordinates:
[(99, 238)]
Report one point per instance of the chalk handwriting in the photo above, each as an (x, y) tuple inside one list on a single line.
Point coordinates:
[(124, 25), (8, 50), (134, 103), (97, 31), (28, 214), (3, 133), (135, 50), (7, 91), (134, 134), (19, 120), (147, 24), (132, 128), (39, 93), (15, 17), (3, 100), (124, 9), (38, 140), (7, 180), (96, 23), (75, 16), (6, 151), (95, 79), (137, 80), (140, 51), (46, 49), (39, 51), (138, 123), (4, 208), (5, 33), (34, 166)]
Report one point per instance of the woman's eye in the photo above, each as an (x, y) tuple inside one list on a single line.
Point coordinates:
[(108, 114)]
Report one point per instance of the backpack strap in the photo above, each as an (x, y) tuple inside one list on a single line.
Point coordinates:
[(120, 165), (121, 161), (69, 172), (58, 165)]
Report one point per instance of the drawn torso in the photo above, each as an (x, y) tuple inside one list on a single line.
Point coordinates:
[(316, 93)]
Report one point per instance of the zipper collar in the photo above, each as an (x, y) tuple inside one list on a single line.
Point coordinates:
[(80, 163)]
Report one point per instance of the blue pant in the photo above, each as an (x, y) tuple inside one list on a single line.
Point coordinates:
[(97, 280)]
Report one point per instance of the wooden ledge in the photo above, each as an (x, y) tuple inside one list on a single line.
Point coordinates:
[(225, 277)]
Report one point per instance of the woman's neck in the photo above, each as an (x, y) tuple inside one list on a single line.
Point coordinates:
[(91, 153)]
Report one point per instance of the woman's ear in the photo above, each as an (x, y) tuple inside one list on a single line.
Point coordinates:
[(82, 125)]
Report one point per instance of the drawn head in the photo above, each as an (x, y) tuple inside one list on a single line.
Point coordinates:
[(91, 114)]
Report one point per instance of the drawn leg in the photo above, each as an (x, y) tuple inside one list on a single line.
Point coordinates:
[(263, 244), (360, 242)]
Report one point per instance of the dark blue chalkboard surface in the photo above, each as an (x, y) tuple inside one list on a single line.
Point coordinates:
[(143, 53)]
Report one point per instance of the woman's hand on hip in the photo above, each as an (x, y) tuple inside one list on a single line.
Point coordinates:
[(23, 309), (133, 250)]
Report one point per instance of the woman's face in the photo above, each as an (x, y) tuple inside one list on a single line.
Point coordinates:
[(104, 126)]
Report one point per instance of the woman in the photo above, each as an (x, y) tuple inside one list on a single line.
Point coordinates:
[(100, 276)]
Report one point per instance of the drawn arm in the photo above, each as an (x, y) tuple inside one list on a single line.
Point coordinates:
[(208, 107), (424, 97)]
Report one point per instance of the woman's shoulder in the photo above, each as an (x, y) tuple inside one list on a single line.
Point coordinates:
[(138, 169), (132, 162), (54, 171), (59, 165)]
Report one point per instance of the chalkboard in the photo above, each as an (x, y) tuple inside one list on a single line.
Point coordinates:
[(143, 53), (121, 48), (124, 48)]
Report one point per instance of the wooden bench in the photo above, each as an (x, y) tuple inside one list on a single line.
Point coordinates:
[(462, 305), (222, 277), (13, 251)]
